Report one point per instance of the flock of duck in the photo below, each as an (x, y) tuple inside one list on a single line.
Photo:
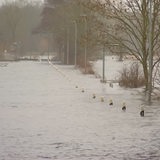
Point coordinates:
[(102, 99), (123, 105)]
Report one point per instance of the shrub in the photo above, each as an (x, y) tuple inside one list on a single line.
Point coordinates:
[(131, 77), (89, 69), (89, 66)]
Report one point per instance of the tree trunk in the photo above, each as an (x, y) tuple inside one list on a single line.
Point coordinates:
[(145, 71)]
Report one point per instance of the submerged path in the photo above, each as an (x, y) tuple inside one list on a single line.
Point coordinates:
[(44, 116)]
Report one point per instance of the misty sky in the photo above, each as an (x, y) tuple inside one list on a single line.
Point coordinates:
[(1, 1)]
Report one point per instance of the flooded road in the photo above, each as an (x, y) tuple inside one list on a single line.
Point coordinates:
[(44, 116)]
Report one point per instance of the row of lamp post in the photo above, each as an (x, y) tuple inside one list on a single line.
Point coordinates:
[(85, 49), (76, 36)]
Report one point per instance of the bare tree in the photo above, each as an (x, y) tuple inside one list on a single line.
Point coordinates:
[(11, 15), (18, 19), (131, 27)]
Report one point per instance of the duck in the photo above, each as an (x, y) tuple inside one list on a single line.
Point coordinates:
[(111, 85), (124, 107), (93, 96), (142, 112), (102, 99), (110, 102)]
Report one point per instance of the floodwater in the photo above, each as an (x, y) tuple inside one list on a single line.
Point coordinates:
[(44, 116)]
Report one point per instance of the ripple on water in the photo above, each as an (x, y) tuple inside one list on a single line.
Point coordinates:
[(44, 157)]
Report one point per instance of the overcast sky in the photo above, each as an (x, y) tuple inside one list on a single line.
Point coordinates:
[(1, 1)]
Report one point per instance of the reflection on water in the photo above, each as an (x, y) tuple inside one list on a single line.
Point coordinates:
[(42, 116)]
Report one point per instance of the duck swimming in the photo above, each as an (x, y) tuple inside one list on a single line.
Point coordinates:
[(110, 102), (142, 112), (111, 85), (93, 96), (102, 99), (124, 107)]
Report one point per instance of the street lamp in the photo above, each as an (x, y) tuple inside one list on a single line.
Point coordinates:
[(67, 45), (75, 43), (85, 48), (150, 57)]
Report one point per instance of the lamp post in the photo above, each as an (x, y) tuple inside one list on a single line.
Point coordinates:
[(103, 73), (67, 45), (150, 57), (85, 48), (85, 51), (75, 43), (48, 47)]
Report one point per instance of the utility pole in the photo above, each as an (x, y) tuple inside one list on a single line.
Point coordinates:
[(85, 51), (67, 45), (150, 57), (86, 41), (103, 74), (75, 43)]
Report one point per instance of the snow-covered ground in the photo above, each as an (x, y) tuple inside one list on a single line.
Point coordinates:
[(45, 115)]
